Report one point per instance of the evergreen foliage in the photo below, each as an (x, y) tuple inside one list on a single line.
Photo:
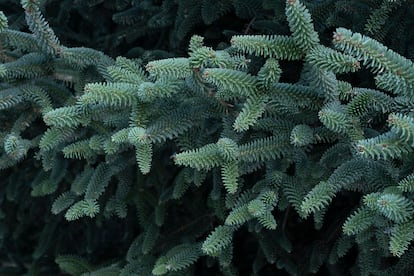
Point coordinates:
[(290, 148)]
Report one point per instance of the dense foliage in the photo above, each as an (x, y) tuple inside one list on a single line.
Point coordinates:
[(237, 137)]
